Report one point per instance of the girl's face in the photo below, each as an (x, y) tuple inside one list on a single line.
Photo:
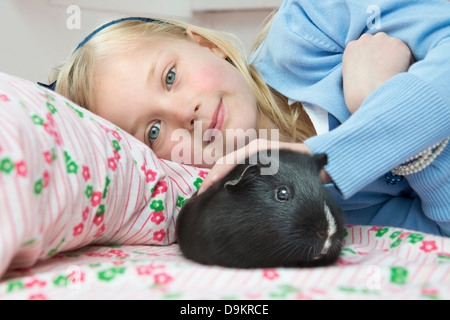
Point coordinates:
[(167, 85)]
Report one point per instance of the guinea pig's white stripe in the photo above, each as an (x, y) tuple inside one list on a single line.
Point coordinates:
[(332, 228)]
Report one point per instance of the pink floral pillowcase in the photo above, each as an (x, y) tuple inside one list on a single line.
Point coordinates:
[(69, 178)]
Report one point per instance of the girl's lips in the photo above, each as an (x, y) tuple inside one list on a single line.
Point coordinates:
[(220, 116), (217, 119)]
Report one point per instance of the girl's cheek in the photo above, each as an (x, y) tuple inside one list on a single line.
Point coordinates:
[(210, 77)]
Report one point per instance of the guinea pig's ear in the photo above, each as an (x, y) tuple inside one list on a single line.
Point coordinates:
[(249, 171), (321, 160)]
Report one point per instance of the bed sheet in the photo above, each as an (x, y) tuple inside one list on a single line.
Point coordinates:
[(376, 263)]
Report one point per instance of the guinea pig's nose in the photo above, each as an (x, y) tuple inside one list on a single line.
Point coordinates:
[(322, 234)]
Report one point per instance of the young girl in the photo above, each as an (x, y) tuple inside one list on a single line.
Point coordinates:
[(152, 77)]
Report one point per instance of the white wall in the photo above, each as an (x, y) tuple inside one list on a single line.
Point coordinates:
[(34, 36)]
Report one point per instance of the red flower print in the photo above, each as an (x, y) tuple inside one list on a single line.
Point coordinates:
[(105, 128), (96, 198), (428, 246), (116, 155), (144, 270), (116, 135), (21, 168), (159, 235), (86, 173), (100, 231), (58, 140), (157, 217), (162, 278), (86, 214), (78, 229), (48, 128), (95, 254), (35, 283), (203, 174), (302, 296), (76, 276), (151, 175), (98, 219), (112, 164), (38, 296), (270, 274), (48, 157), (160, 188), (430, 292), (404, 235), (119, 253), (46, 179), (343, 262), (4, 98), (50, 119)]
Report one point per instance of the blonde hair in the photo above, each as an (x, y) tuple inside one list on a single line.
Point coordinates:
[(75, 77)]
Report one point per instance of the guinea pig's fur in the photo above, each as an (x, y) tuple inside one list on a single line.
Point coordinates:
[(249, 220)]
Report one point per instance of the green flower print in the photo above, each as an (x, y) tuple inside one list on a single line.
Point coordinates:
[(396, 243), (116, 145), (72, 167), (395, 234), (55, 250), (15, 285), (415, 238), (6, 166), (443, 257), (382, 232), (105, 191), (283, 291), (89, 191), (51, 108), (157, 205), (61, 281), (78, 112), (399, 275), (38, 186), (198, 183), (101, 210), (180, 201), (37, 120), (110, 274)]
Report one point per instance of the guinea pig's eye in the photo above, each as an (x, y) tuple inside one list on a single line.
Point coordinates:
[(282, 194)]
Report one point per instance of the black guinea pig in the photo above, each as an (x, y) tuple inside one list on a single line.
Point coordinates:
[(250, 220)]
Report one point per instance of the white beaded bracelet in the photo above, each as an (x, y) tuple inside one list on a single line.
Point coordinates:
[(421, 160)]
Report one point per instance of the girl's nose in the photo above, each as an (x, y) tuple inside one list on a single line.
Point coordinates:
[(185, 116)]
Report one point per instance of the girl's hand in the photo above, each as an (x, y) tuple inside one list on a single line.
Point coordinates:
[(369, 62), (226, 164)]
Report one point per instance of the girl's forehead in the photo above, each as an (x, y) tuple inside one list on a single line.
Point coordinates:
[(124, 47)]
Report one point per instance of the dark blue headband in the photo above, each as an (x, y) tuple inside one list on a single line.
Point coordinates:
[(93, 33)]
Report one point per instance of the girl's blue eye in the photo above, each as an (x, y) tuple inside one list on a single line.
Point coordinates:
[(154, 132), (170, 78)]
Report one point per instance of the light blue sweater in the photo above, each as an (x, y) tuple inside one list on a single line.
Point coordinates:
[(302, 59)]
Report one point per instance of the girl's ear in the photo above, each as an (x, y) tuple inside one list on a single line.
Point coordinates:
[(202, 41)]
